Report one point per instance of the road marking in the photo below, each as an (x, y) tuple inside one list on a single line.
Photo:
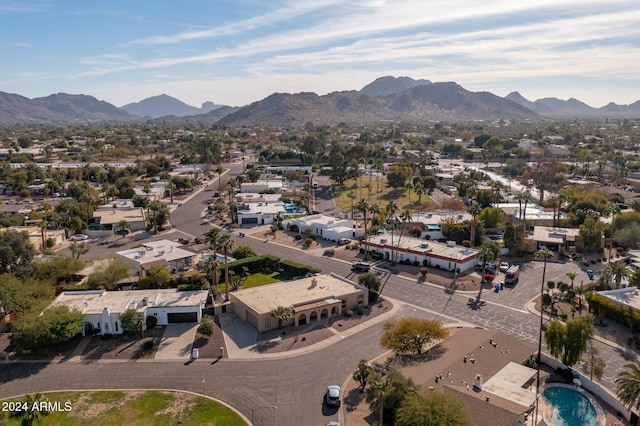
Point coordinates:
[(438, 314), (495, 303), (185, 233)]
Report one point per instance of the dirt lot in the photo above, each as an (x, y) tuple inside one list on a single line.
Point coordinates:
[(123, 346)]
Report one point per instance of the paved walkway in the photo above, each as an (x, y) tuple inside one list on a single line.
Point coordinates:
[(177, 342)]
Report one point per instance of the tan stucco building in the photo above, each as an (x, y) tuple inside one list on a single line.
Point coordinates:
[(311, 299)]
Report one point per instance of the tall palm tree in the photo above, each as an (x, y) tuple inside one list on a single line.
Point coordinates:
[(612, 210), (219, 171), (390, 210), (212, 266), (628, 385), (474, 210), (212, 237), (404, 217), (544, 254), (363, 207), (225, 242), (555, 200)]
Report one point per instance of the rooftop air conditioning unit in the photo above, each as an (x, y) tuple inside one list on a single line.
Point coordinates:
[(383, 241), (451, 243), (460, 216), (424, 245)]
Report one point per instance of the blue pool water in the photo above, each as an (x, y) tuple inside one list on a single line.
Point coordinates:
[(292, 208), (570, 407), (219, 257)]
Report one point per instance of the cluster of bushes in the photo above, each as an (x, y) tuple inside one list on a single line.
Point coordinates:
[(269, 262), (297, 269), (624, 315)]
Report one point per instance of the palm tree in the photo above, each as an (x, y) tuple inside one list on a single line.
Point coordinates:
[(43, 232), (283, 313), (485, 254), (526, 195), (404, 217), (572, 276), (226, 244), (123, 225), (618, 271), (219, 170), (390, 210), (211, 266), (628, 385), (612, 209), (555, 200), (378, 389), (363, 206), (212, 236), (31, 415), (544, 254), (474, 210)]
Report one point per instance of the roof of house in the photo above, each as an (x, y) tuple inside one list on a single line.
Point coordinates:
[(300, 292), (93, 302), (551, 235), (155, 251), (424, 247), (629, 296), (114, 216)]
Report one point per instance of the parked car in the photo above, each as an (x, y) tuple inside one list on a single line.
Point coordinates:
[(343, 241), (333, 396), (361, 266), (79, 237), (504, 266)]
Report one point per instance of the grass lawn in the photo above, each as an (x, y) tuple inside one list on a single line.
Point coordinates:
[(382, 194), (256, 280), (132, 408)]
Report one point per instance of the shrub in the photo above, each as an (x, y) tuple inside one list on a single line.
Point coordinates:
[(360, 311), (151, 321), (348, 313), (329, 252), (415, 263), (297, 269), (424, 271), (297, 237), (255, 263), (149, 343), (206, 327), (50, 242), (307, 242), (191, 286)]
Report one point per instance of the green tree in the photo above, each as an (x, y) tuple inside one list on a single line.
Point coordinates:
[(372, 282), (401, 386), (108, 275), (159, 215), (242, 252), (628, 385), (56, 325), (123, 228), (398, 175), (24, 296), (16, 251), (362, 373), (432, 408), (130, 320), (618, 271), (591, 232), (282, 313), (157, 276), (206, 326), (474, 210), (569, 341), (411, 335), (78, 249), (56, 269)]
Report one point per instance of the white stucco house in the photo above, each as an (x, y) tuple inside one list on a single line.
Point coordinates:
[(327, 227), (102, 308), (444, 256), (262, 213), (162, 252)]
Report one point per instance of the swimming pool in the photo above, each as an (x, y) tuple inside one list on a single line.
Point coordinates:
[(292, 208), (219, 258), (570, 407)]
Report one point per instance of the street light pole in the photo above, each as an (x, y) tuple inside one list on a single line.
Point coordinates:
[(253, 410)]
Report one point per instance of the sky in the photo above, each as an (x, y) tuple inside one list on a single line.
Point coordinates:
[(234, 52)]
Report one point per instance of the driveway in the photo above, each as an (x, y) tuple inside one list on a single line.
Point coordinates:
[(177, 341)]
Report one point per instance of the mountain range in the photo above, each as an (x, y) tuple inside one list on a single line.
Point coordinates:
[(385, 99)]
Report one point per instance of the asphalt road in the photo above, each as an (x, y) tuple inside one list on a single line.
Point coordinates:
[(296, 385)]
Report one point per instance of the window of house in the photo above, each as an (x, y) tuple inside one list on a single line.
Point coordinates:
[(344, 304), (116, 325), (360, 300)]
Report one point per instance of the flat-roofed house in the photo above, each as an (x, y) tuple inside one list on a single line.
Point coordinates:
[(103, 308), (163, 252), (311, 299)]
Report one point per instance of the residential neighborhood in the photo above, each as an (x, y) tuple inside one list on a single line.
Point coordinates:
[(184, 249)]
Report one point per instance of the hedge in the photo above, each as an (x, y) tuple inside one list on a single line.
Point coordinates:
[(254, 263), (297, 269), (621, 314)]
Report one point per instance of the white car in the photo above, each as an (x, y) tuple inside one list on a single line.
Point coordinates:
[(343, 241), (504, 266), (78, 237)]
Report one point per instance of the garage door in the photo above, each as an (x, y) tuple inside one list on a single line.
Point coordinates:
[(182, 317), (249, 220)]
